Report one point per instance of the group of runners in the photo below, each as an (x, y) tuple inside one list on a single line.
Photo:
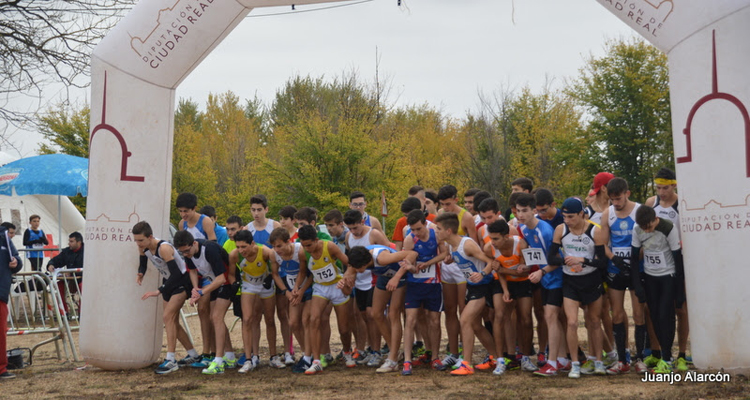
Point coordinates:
[(490, 271)]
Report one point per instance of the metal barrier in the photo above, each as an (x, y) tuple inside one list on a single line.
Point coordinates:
[(67, 286), (33, 309)]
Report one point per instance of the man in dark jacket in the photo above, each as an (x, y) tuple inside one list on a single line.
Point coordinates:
[(70, 257), (10, 264)]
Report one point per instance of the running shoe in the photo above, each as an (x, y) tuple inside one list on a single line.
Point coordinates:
[(541, 359), (587, 368), (340, 356), (499, 367), (611, 359), (512, 364), (681, 365), (329, 360), (618, 368), (256, 361), (376, 360), (358, 355), (488, 364), (242, 359), (527, 365), (301, 366), (349, 360), (546, 370), (457, 365), (203, 362), (575, 371), (640, 367), (689, 359), (246, 367), (599, 368), (388, 366), (448, 361), (288, 358), (214, 368), (463, 369), (315, 368), (385, 350), (276, 362), (424, 359), (365, 360), (564, 367), (651, 361), (230, 364), (190, 360), (166, 367), (435, 364), (662, 367), (407, 369)]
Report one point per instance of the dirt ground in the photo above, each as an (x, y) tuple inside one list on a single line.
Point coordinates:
[(50, 378)]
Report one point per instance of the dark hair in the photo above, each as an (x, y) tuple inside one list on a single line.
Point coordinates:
[(307, 232), (142, 228), (471, 192), (308, 214), (617, 186), (544, 197), (357, 194), (334, 216), (644, 216), (411, 203), (448, 220), (76, 236), (524, 183), (431, 194), (234, 219), (259, 199), (33, 217), (664, 173), (488, 205), (513, 199), (447, 192), (279, 234), (8, 225), (481, 196), (526, 200), (244, 236), (359, 256), (208, 211), (184, 238), (499, 226), (415, 189), (287, 211), (415, 216), (352, 217), (186, 200)]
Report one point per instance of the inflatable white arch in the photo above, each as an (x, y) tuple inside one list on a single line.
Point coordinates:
[(137, 67)]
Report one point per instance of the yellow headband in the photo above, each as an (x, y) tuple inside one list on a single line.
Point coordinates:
[(662, 181)]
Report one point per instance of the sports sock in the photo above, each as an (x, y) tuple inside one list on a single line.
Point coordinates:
[(308, 359), (562, 361), (218, 360), (192, 353), (170, 356), (229, 355), (552, 363), (641, 333), (618, 330)]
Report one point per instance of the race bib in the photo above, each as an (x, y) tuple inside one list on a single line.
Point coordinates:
[(534, 256), (37, 246), (426, 273), (654, 259), (623, 252), (325, 274), (291, 280), (254, 280)]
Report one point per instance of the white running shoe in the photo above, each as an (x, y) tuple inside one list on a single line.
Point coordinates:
[(575, 371), (388, 366), (499, 368), (349, 360), (288, 359), (276, 362), (246, 367), (527, 365)]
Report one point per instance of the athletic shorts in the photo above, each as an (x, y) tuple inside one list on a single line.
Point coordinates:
[(330, 293), (618, 281), (223, 292), (177, 290), (363, 298), (474, 292), (429, 295), (383, 281), (259, 289), (584, 289), (535, 286), (552, 297), (450, 273), (519, 289)]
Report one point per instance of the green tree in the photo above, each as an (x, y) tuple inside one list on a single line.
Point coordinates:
[(625, 94)]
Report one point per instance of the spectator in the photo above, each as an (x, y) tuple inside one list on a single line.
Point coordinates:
[(70, 257), (10, 264)]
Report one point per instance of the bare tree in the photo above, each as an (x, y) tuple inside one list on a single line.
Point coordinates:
[(48, 42)]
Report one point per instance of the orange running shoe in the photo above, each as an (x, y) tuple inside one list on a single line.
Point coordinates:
[(464, 369), (488, 364)]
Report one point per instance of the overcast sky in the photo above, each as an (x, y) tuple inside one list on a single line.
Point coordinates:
[(440, 52)]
